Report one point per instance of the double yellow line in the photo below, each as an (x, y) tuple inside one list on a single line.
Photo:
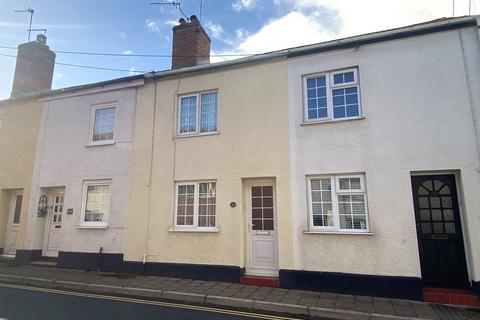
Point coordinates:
[(148, 302)]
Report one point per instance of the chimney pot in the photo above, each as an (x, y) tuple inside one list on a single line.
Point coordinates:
[(182, 21), (41, 38), (194, 19)]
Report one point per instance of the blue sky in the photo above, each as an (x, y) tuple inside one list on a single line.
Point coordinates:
[(235, 26)]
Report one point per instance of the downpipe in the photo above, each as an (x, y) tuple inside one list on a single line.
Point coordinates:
[(100, 256)]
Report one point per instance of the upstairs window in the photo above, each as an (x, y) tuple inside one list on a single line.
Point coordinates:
[(332, 96), (338, 203), (197, 113), (103, 126)]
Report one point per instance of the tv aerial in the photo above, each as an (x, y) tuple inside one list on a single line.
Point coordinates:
[(31, 11), (175, 3)]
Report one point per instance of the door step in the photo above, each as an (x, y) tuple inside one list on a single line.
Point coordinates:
[(463, 297), (40, 263), (260, 281)]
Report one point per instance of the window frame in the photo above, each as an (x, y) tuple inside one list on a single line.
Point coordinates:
[(340, 191), (93, 111), (95, 224), (335, 192), (196, 184), (198, 108), (330, 86)]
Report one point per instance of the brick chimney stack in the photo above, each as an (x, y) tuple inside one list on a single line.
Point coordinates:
[(191, 44), (34, 68)]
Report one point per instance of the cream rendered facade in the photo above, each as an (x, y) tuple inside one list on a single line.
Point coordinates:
[(251, 143), (19, 123), (421, 104)]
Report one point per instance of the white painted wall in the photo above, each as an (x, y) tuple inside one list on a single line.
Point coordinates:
[(64, 159), (418, 116)]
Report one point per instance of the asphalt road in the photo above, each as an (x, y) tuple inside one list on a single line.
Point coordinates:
[(35, 303)]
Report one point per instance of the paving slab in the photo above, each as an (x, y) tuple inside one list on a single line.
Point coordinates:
[(325, 303), (230, 302), (227, 292), (142, 292), (280, 307), (38, 282), (103, 289), (69, 285), (184, 297)]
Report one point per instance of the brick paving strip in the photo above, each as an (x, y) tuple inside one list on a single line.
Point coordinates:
[(232, 295)]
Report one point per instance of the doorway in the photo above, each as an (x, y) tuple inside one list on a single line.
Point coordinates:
[(439, 231), (13, 222), (53, 224), (261, 231)]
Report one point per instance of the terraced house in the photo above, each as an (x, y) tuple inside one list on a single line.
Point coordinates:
[(347, 166)]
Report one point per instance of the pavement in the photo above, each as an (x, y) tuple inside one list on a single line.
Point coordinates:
[(232, 295)]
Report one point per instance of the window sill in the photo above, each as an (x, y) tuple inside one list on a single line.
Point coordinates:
[(366, 233), (102, 143), (307, 123), (92, 226), (197, 230), (189, 135)]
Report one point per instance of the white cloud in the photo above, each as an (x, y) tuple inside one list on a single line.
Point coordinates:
[(151, 26), (172, 23), (241, 33), (215, 29), (127, 51), (239, 5), (313, 21), (293, 29), (357, 17)]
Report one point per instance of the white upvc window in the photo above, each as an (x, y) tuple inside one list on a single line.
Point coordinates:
[(102, 126), (333, 95), (96, 203), (338, 203), (197, 113), (195, 205)]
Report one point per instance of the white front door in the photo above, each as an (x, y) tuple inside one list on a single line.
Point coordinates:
[(13, 222), (262, 251), (54, 224)]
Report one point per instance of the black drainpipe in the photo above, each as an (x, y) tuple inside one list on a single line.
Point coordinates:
[(100, 253)]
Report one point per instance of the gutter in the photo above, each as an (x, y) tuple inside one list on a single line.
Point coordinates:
[(206, 68), (382, 36)]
